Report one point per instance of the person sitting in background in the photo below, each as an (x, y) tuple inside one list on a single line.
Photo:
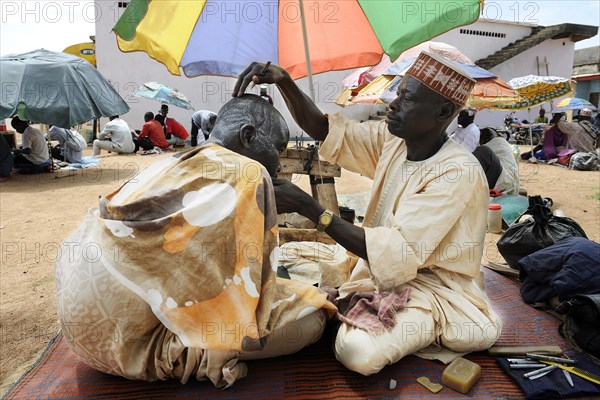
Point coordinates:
[(582, 135), (541, 118), (152, 134), (202, 122), (467, 133), (164, 111), (508, 181), (116, 136), (178, 133), (185, 305), (490, 164), (6, 159), (161, 120), (596, 121), (70, 144), (33, 156), (554, 140), (174, 131)]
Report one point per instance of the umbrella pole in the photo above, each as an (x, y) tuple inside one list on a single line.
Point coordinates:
[(50, 151), (309, 75), (94, 129), (530, 133)]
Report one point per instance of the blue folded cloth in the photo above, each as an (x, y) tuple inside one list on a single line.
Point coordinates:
[(86, 162), (555, 385)]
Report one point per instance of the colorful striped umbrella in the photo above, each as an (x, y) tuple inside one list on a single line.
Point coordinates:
[(572, 103), (209, 37), (364, 76), (164, 94), (378, 84)]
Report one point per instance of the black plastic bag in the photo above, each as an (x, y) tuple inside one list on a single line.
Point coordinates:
[(580, 325), (532, 235)]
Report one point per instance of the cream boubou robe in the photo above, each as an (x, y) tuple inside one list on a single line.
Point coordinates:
[(424, 228)]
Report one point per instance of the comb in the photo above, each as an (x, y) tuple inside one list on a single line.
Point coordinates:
[(577, 371)]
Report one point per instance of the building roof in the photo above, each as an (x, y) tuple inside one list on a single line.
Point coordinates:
[(586, 63), (576, 32), (538, 35), (590, 55)]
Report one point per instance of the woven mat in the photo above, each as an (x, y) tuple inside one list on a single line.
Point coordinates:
[(312, 373)]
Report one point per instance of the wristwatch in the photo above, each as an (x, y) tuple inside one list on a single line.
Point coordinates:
[(325, 220)]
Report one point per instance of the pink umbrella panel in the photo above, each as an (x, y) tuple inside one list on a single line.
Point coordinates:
[(489, 91)]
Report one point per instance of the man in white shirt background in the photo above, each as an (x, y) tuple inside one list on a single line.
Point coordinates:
[(70, 144), (508, 182), (33, 156), (467, 133), (116, 136)]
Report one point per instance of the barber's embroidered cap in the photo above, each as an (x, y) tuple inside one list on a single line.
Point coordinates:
[(443, 77)]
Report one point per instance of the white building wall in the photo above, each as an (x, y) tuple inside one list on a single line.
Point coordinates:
[(129, 70), (476, 46)]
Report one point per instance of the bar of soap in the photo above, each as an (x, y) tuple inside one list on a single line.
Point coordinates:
[(433, 387), (461, 375)]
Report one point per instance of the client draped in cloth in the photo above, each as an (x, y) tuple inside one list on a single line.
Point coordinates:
[(425, 225), (174, 275)]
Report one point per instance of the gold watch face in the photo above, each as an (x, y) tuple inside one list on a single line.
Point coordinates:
[(325, 219)]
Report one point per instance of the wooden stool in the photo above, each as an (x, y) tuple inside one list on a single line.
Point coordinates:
[(305, 161)]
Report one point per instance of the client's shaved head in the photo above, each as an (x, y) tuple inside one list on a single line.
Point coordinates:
[(252, 127)]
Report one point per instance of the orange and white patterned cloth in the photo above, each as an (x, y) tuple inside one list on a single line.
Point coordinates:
[(182, 256)]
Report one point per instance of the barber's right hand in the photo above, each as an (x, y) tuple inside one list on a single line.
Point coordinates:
[(273, 74)]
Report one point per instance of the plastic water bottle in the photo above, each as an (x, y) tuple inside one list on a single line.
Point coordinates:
[(494, 220), (516, 152)]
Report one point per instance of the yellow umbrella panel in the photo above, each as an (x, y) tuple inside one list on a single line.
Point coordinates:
[(87, 51), (536, 90), (370, 93)]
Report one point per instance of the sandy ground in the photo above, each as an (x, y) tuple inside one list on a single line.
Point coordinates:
[(38, 212)]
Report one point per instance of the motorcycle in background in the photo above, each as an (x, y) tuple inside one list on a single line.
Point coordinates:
[(518, 131)]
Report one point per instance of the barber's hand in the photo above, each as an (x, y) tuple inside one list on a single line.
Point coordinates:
[(16, 152), (273, 74), (289, 197)]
